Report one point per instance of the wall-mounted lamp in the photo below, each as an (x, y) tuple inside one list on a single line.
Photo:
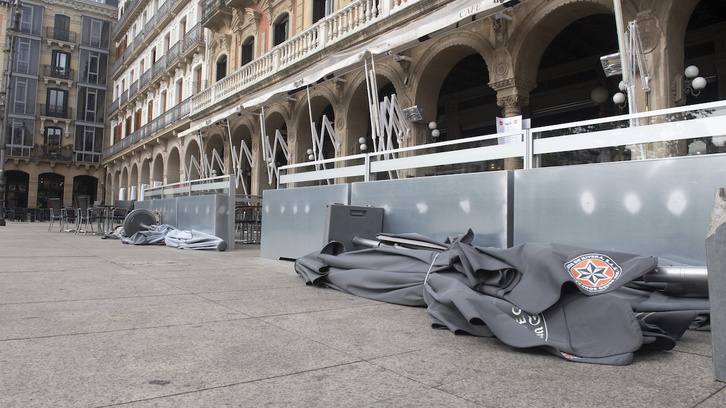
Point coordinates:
[(435, 133), (310, 155), (694, 83), (620, 98), (363, 145)]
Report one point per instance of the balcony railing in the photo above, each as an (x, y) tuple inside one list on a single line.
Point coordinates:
[(58, 72), (113, 106), (52, 153), (154, 21), (344, 23), (117, 64), (171, 116), (125, 16), (210, 8), (56, 111), (61, 35), (133, 88), (145, 79), (193, 37)]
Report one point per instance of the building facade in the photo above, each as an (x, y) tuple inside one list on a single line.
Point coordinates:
[(285, 81), (57, 127), (160, 53)]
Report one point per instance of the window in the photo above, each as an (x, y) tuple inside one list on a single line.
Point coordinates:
[(23, 58), (93, 66), (179, 91), (88, 144), (53, 136), (61, 27), (57, 103), (221, 67), (21, 138), (26, 20), (94, 32), (60, 64), (197, 86), (21, 96), (91, 104), (281, 30), (247, 52), (321, 8), (162, 100)]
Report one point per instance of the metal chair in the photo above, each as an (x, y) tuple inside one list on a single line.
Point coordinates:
[(84, 214), (56, 213)]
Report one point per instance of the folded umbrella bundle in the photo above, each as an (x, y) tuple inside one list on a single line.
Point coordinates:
[(557, 297)]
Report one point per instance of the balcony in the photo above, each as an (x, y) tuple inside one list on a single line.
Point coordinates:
[(330, 34), (214, 13), (130, 12), (113, 107), (58, 74), (61, 37), (152, 129), (52, 153), (193, 41), (56, 111)]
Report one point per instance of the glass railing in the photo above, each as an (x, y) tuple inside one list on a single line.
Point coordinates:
[(685, 131)]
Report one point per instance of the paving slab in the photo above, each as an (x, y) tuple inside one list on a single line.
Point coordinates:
[(91, 322)]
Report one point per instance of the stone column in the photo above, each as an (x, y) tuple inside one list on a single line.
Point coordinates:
[(512, 96)]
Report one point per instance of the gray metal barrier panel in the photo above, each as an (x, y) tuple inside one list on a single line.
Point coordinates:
[(167, 206), (293, 220), (444, 206), (206, 213), (651, 207)]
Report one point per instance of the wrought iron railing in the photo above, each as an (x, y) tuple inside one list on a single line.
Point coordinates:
[(58, 72), (52, 153), (133, 88), (56, 111), (61, 35), (113, 107), (125, 16), (210, 8), (168, 118), (145, 79)]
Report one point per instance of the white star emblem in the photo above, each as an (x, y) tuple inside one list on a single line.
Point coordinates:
[(593, 273)]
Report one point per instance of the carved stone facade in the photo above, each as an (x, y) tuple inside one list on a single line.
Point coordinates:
[(500, 54)]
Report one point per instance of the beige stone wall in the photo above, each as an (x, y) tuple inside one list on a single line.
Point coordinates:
[(511, 48)]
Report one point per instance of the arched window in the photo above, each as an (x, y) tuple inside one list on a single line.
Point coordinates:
[(281, 29), (247, 52), (221, 67)]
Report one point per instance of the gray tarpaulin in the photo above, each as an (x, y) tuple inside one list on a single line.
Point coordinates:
[(171, 236), (561, 298)]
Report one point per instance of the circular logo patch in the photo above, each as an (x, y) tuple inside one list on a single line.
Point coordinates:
[(593, 272)]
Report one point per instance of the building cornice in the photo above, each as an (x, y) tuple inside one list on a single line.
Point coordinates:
[(86, 7)]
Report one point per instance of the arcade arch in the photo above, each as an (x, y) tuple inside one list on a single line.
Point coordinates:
[(173, 166)]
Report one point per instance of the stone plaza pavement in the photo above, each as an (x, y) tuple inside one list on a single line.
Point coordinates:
[(91, 322)]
